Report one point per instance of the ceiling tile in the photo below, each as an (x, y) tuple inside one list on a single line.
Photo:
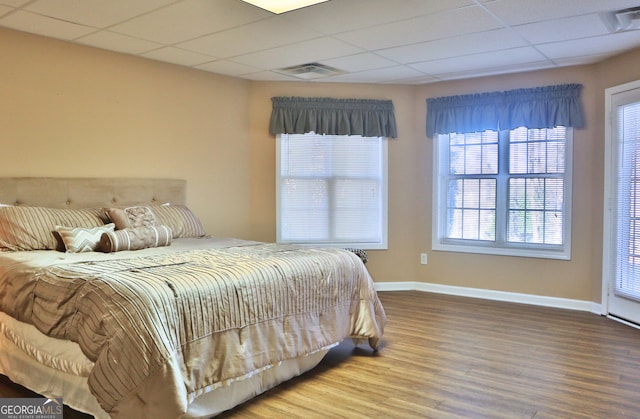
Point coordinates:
[(272, 32), (189, 19), (177, 56), (96, 13), (301, 53), (504, 69), (42, 25), (562, 29), (359, 62), (227, 67), (117, 42), (518, 12), (415, 80), (269, 76), (609, 44), (480, 61), (583, 59), (450, 47), (383, 74), (339, 16), (425, 28)]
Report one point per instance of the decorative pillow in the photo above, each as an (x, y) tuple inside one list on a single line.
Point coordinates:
[(135, 238), (180, 219), (131, 217), (32, 228), (78, 239)]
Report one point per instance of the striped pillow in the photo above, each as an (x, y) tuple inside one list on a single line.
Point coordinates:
[(135, 238), (32, 228), (180, 219), (78, 239)]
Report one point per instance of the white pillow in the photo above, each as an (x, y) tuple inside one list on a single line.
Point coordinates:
[(78, 239)]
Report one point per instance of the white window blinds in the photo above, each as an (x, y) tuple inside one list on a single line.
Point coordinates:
[(332, 190), (536, 188), (628, 200)]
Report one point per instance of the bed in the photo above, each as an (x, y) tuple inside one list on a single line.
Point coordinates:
[(113, 298)]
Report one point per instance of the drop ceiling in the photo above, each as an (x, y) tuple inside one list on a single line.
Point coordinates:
[(367, 41)]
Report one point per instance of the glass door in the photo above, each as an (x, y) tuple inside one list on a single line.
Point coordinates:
[(622, 233)]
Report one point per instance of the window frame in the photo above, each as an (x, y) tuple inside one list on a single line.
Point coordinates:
[(382, 245), (501, 246)]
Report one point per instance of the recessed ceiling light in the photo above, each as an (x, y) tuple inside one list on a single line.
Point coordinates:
[(282, 6)]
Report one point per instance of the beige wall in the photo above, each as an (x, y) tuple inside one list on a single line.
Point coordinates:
[(69, 110), (62, 105)]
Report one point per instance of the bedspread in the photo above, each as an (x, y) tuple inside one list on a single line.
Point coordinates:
[(163, 329)]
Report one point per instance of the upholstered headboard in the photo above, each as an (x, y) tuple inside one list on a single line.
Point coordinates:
[(59, 192)]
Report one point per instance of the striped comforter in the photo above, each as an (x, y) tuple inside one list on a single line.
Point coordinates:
[(163, 329)]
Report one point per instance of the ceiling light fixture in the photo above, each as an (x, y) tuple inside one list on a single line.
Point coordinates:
[(282, 6)]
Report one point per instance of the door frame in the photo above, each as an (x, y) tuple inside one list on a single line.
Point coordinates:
[(610, 175)]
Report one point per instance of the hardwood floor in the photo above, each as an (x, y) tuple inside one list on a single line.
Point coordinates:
[(446, 357)]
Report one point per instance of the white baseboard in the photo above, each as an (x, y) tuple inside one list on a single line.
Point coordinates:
[(512, 297)]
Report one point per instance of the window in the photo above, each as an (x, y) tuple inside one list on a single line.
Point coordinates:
[(504, 192), (332, 190)]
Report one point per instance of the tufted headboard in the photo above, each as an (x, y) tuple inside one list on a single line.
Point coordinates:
[(60, 192)]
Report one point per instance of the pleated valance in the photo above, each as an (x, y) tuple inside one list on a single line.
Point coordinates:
[(322, 115), (539, 107)]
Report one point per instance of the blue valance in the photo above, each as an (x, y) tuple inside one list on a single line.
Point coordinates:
[(539, 107), (322, 115)]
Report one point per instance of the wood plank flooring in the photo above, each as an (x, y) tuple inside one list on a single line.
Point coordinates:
[(454, 357)]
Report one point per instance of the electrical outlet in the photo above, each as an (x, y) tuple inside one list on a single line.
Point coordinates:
[(423, 258)]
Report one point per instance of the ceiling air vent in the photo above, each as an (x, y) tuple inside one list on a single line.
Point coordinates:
[(309, 71), (622, 20)]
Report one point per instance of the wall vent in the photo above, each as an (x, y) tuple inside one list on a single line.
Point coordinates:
[(622, 20), (309, 71)]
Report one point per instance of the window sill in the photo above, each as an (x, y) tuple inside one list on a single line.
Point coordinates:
[(363, 246), (528, 252)]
